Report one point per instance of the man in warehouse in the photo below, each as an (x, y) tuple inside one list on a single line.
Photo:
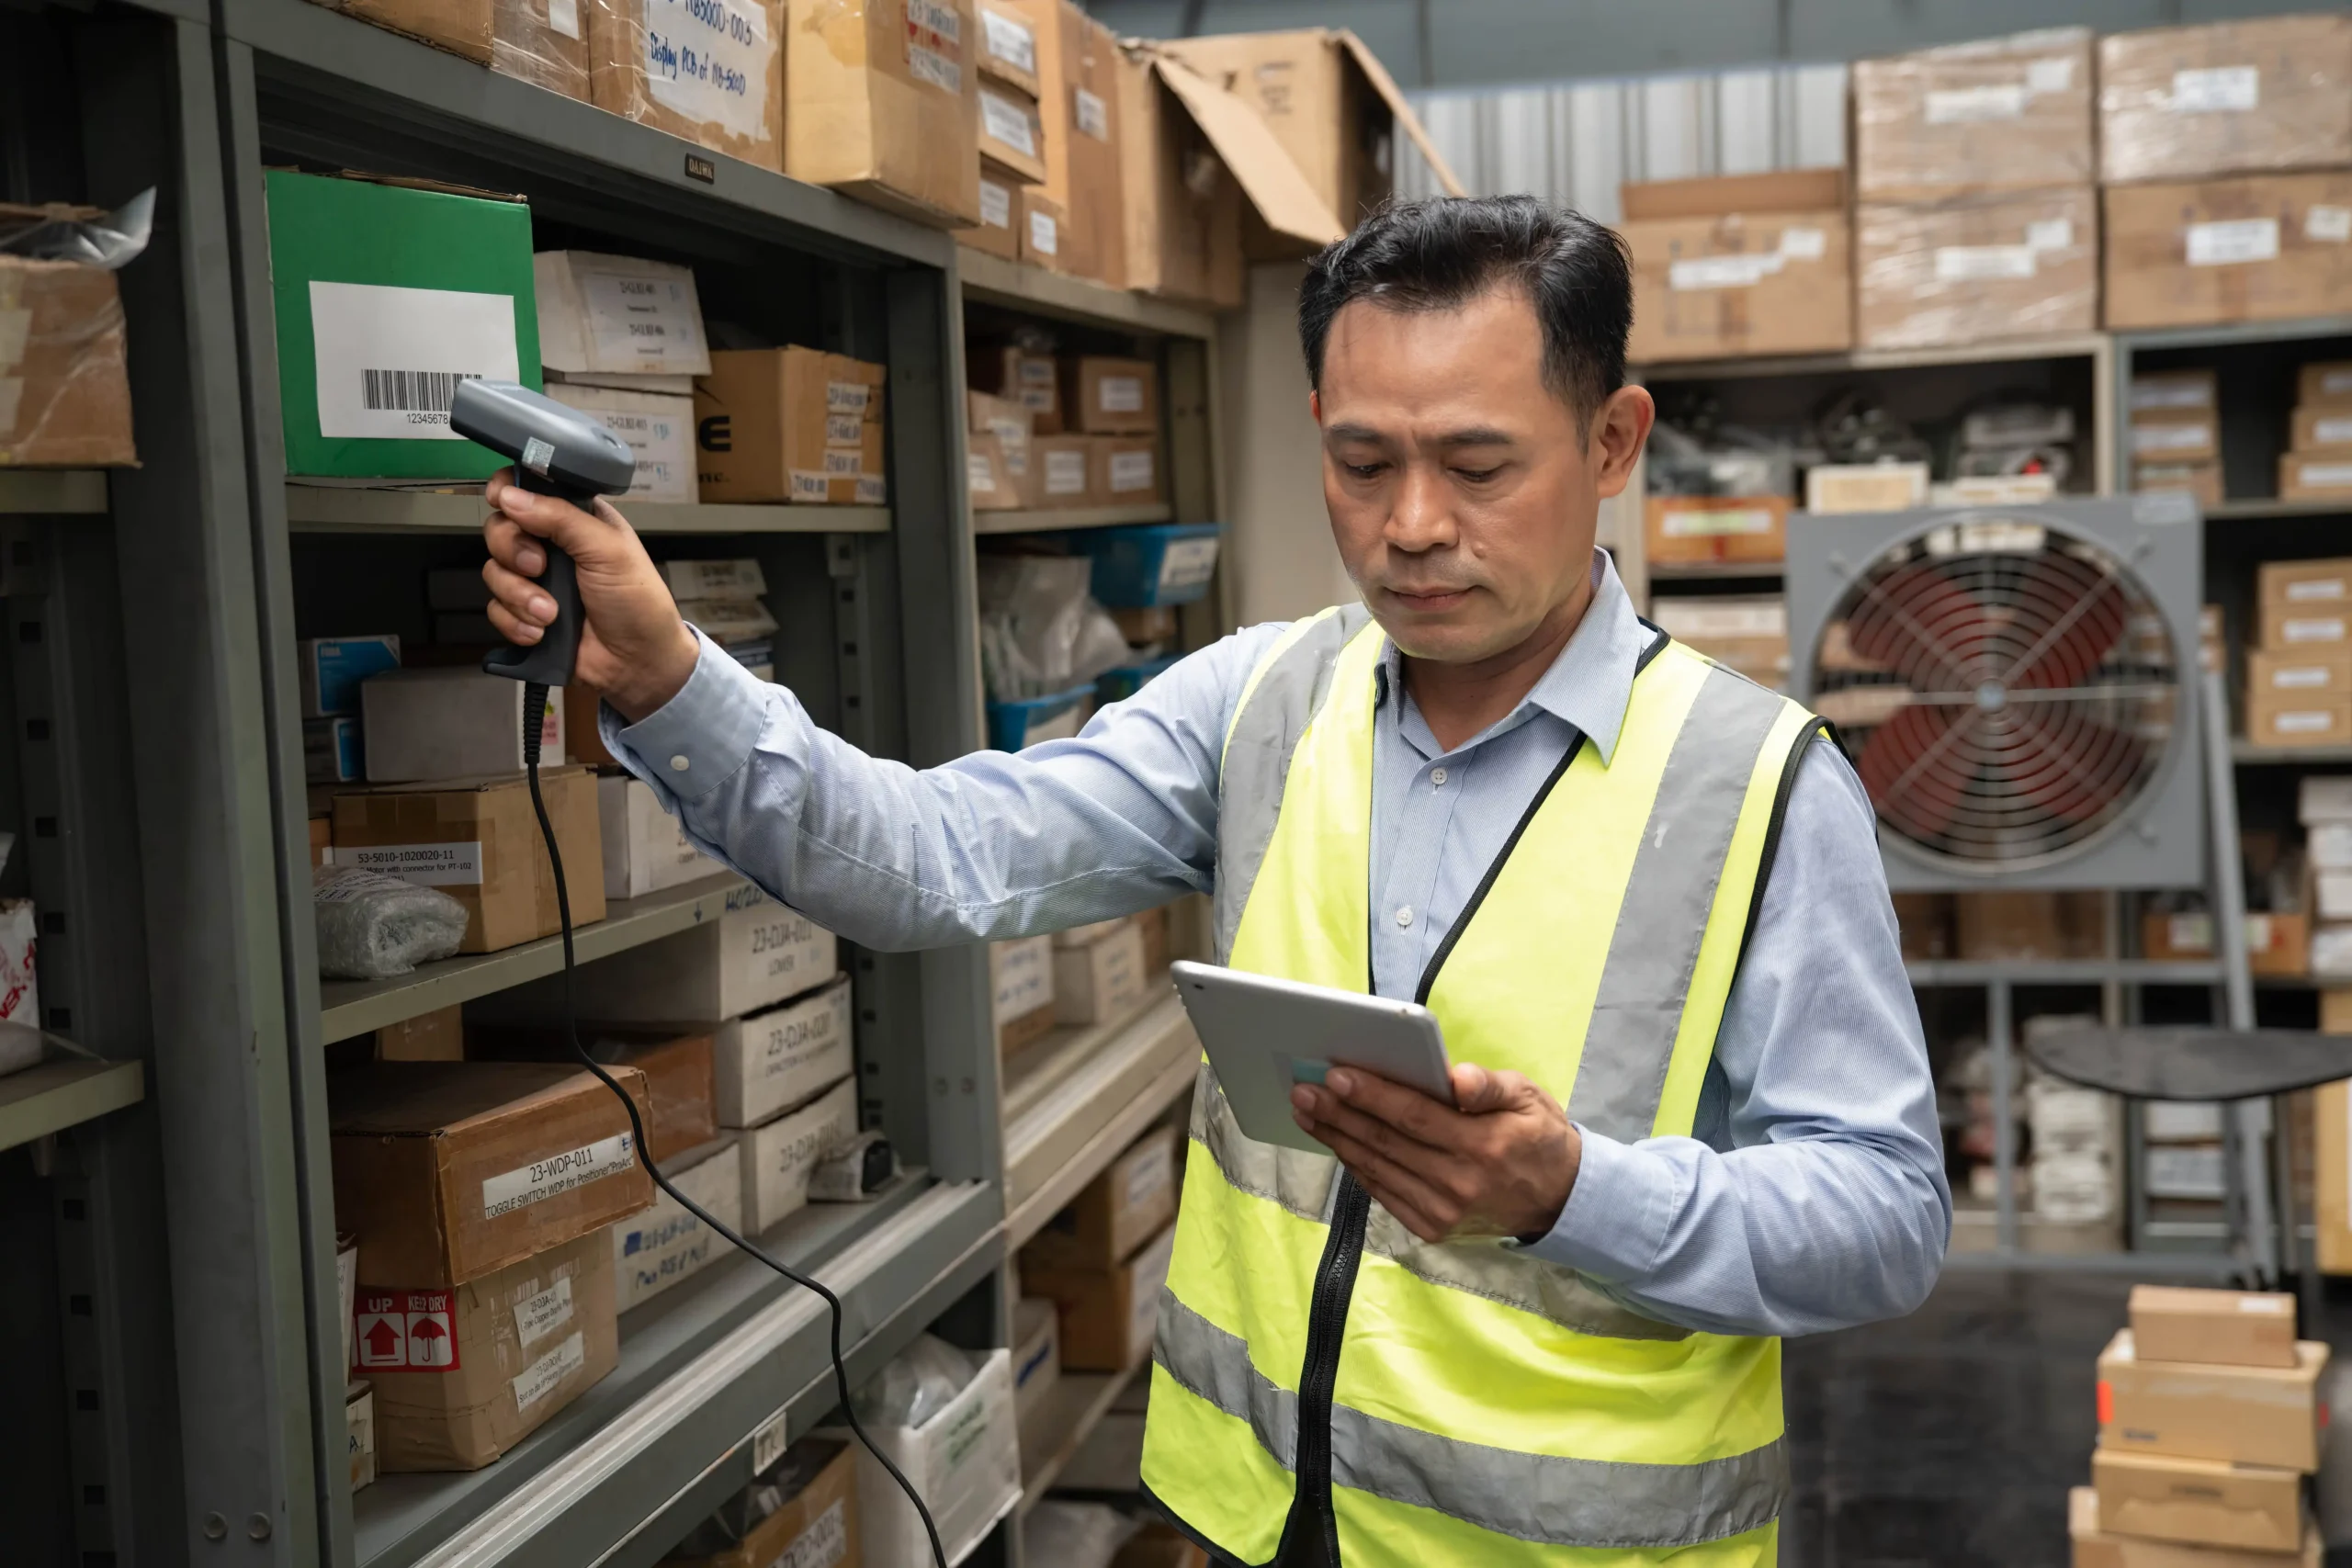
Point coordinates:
[(1642, 895)]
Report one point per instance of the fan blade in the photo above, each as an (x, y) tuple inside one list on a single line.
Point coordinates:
[(2087, 620), (2068, 765), (1919, 623), (1906, 767)]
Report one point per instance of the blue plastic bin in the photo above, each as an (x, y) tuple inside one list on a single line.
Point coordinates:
[(1010, 724), (1157, 563), (1117, 686)]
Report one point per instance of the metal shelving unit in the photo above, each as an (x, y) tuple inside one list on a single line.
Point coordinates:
[(52, 492), (44, 1100), (343, 509), (1052, 520)]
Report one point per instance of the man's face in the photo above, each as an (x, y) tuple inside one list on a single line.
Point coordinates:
[(1462, 496)]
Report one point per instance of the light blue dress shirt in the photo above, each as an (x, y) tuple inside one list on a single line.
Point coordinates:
[(1812, 1194)]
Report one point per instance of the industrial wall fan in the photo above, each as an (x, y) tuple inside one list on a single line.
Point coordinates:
[(2018, 686)]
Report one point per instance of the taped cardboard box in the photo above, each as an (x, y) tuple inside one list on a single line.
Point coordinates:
[(965, 1462), (2198, 1502), (1036, 1354), (756, 954), (1115, 1213), (544, 42), (658, 429), (462, 26), (777, 1157), (1976, 269), (436, 1036), (1083, 158), (1021, 979), (1105, 396), (626, 317), (65, 365), (1011, 136), (2095, 1547), (2307, 477), (1063, 471), (1020, 376), (1123, 470), (2254, 248), (2325, 428), (2174, 436), (1107, 1316), (2320, 672), (1687, 529), (998, 233), (1101, 980), (789, 425), (2030, 925), (1331, 106), (885, 105), (665, 1244), (708, 71), (1042, 219), (782, 1055), (1010, 47), (2239, 1328), (1997, 114), (1750, 263), (2264, 93), (360, 1431), (679, 1103), (447, 1171), (2277, 945), (1194, 158), (989, 477), (2327, 382), (646, 848), (462, 1373), (479, 842), (2267, 1416), (2325, 583), (2173, 392), (802, 1513)]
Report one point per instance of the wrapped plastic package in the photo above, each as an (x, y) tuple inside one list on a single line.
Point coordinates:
[(1976, 269), (1041, 632), (711, 70), (1997, 114), (2247, 248), (1074, 1535), (2264, 92), (64, 391), (544, 42), (372, 927), (917, 1384)]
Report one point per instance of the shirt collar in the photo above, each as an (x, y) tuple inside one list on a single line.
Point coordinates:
[(1590, 683)]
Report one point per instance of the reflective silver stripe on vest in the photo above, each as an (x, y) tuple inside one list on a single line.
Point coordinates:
[(1302, 1183), (1257, 758), (1655, 949), (1534, 1498)]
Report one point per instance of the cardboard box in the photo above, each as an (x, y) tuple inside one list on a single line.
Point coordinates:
[(655, 1249), (784, 1056), (1008, 47), (1012, 374), (1750, 263), (1083, 159), (1103, 395), (2331, 1149), (708, 71), (2263, 93), (2169, 436), (1107, 1316), (1160, 1546), (1865, 487), (885, 105), (322, 842), (677, 1068), (1041, 221), (1063, 473), (2297, 719), (1130, 1202), (2324, 428), (335, 750), (988, 476), (330, 669), (618, 316), (449, 1171), (63, 359), (448, 722), (1021, 975), (758, 952), (2173, 392), (998, 233), (2276, 945), (1012, 140), (658, 429), (1976, 269), (462, 1373), (2202, 480), (776, 1158), (965, 1462), (1688, 529), (2239, 1328), (2321, 673), (460, 26), (1124, 470), (386, 297), (646, 849), (2301, 628), (1010, 420), (1036, 1354), (2094, 1548), (2329, 382), (359, 1432), (2299, 585), (479, 842), (2198, 1501), (2263, 1415), (2030, 925), (1997, 114), (810, 1521), (436, 1036), (1098, 982), (544, 42), (2325, 477), (796, 425), (2253, 248), (1153, 924)]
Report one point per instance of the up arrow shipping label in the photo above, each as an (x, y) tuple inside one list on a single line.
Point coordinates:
[(404, 1331)]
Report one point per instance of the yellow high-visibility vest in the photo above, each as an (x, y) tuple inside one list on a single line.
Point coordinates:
[(1463, 1404)]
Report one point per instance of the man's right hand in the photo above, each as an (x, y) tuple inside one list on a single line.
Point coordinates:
[(633, 646)]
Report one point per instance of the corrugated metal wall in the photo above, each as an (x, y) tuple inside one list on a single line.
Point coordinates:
[(1577, 142)]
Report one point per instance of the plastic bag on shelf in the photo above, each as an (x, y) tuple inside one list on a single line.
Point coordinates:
[(917, 1385), (1041, 631), (1074, 1535), (372, 927), (81, 234)]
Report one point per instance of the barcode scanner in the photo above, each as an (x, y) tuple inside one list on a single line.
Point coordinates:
[(557, 451)]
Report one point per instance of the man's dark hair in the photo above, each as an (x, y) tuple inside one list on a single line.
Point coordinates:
[(1438, 255)]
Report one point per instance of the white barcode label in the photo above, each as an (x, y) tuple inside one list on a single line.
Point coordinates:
[(2169, 394), (871, 490), (841, 465), (1688, 523), (1976, 264), (2312, 722), (2055, 75), (1065, 473), (426, 865), (824, 1543), (977, 473), (544, 1376), (2147, 438), (1130, 471), (1148, 1177), (1119, 394), (388, 360), (2314, 588), (563, 17), (935, 45), (1961, 105), (1723, 272), (2299, 678), (559, 1173), (1187, 564), (2220, 89), (1009, 40), (2232, 241), (1803, 244), (2049, 234), (537, 1316), (1093, 115), (1006, 122), (847, 397), (806, 486), (2328, 225), (844, 429), (2324, 476), (996, 205), (2335, 383), (2327, 628), (1045, 235), (2331, 432)]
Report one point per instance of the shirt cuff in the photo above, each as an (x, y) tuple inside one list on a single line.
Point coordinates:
[(696, 741), (1614, 1221)]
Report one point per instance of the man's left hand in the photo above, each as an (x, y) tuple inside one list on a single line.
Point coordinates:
[(1502, 1164)]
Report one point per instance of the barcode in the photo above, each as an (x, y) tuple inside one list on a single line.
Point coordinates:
[(411, 391)]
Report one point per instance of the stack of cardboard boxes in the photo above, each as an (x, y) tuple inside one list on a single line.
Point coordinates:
[(2324, 806), (1103, 1260), (2174, 434), (790, 426), (1747, 264), (2209, 1417), (1975, 216), (1087, 975), (621, 339), (1044, 434), (1748, 632), (2299, 674), (2317, 464), (1015, 223)]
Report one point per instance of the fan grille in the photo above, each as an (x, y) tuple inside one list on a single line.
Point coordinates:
[(2008, 690)]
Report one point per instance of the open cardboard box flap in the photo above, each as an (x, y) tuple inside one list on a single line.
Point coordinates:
[(1407, 120), (1273, 183)]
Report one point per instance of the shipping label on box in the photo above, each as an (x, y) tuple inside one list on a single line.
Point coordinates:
[(480, 844), (1976, 269), (606, 314), (2263, 93), (782, 1056), (778, 1158), (965, 1462), (758, 952), (1099, 981), (655, 1249), (709, 71), (2257, 247), (1022, 972), (657, 429), (1993, 114)]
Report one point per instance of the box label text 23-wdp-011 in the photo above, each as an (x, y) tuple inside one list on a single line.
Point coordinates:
[(544, 1179)]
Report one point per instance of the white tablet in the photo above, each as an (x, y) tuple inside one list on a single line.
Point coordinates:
[(1264, 1035)]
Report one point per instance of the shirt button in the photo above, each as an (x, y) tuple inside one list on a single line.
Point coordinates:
[(1405, 915), (1437, 775), (678, 764)]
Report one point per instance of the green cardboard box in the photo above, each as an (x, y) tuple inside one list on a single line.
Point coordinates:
[(388, 295)]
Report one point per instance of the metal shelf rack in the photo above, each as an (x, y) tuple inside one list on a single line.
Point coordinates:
[(345, 509), (1053, 519)]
